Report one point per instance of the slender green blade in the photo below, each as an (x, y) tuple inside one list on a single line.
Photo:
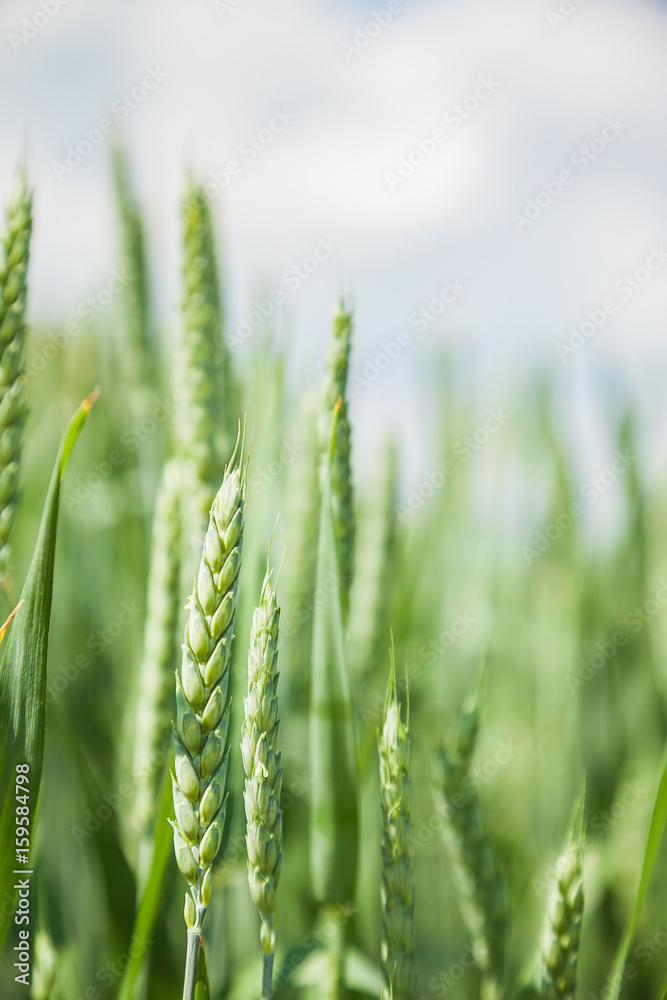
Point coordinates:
[(334, 806), (202, 990), (23, 670), (653, 841), (147, 911)]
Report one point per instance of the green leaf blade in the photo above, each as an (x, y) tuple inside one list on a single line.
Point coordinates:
[(653, 841), (23, 670), (334, 795)]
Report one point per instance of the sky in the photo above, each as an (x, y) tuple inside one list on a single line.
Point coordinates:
[(484, 177)]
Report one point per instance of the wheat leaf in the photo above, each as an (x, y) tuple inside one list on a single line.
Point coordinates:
[(334, 808), (23, 670), (653, 841)]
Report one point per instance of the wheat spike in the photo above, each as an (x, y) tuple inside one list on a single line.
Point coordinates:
[(398, 873), (14, 258), (334, 415), (263, 770), (203, 376), (154, 707), (475, 869), (565, 910), (202, 703)]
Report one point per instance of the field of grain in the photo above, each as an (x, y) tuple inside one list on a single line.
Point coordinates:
[(455, 788)]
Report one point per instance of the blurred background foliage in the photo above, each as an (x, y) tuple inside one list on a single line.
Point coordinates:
[(484, 555)]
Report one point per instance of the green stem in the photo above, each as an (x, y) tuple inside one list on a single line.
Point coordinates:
[(267, 982), (336, 984), (192, 957)]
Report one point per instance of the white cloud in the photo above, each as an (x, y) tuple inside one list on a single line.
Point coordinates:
[(325, 173)]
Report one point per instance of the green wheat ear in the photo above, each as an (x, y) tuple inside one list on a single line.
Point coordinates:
[(475, 869), (203, 379), (565, 910), (14, 258), (398, 872), (263, 769), (156, 674), (201, 732), (334, 420)]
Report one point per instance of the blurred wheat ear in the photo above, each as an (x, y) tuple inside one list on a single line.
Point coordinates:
[(154, 703), (475, 869), (398, 872), (565, 909), (337, 458), (203, 378), (14, 259)]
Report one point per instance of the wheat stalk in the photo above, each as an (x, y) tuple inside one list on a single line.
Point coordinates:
[(334, 415), (203, 706), (14, 258), (565, 909), (154, 707), (398, 874), (371, 596), (302, 527), (475, 870), (263, 770)]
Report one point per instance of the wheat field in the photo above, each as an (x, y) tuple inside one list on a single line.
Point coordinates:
[(456, 788)]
